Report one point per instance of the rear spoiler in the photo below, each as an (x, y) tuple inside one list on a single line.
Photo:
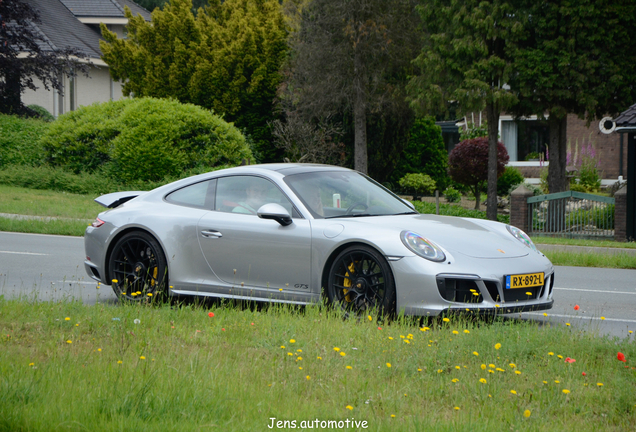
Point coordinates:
[(116, 199)]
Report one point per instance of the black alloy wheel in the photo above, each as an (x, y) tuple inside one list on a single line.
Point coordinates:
[(360, 280), (138, 267)]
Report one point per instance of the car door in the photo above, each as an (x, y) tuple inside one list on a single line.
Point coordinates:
[(256, 257)]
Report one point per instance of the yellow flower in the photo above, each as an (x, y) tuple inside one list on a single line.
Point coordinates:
[(475, 353), (300, 367), (455, 332), (500, 370), (491, 371), (308, 377), (427, 329), (566, 391), (567, 324), (557, 381), (407, 341), (336, 349), (466, 331), (149, 294), (299, 350), (282, 346), (343, 353), (483, 380), (280, 289), (142, 358), (513, 392), (599, 384), (290, 354), (602, 318), (518, 372), (512, 365), (419, 370), (526, 413), (67, 319), (457, 367), (349, 367), (456, 408), (550, 353), (545, 382), (491, 366), (69, 341), (497, 346), (409, 336), (292, 341), (483, 367), (445, 319), (369, 316), (388, 365), (31, 364), (115, 281), (454, 380), (528, 293), (392, 415), (438, 370), (299, 359), (545, 314), (560, 356), (349, 407), (119, 361), (319, 358)]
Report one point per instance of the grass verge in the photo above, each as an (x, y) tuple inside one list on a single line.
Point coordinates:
[(70, 227), (65, 365), (583, 242), (621, 260)]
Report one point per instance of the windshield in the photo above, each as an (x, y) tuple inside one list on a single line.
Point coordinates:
[(334, 194)]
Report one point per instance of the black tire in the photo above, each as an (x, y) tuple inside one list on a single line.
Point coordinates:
[(138, 265), (361, 280)]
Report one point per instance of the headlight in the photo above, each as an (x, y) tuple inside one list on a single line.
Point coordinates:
[(521, 236), (422, 246)]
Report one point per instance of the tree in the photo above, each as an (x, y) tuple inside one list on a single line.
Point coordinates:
[(425, 152), (577, 58), (352, 58), (26, 56), (468, 164), (465, 58), (226, 58)]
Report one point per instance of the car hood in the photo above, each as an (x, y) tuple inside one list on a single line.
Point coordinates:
[(472, 237)]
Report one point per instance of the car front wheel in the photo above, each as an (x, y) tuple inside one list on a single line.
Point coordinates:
[(360, 280), (138, 267)]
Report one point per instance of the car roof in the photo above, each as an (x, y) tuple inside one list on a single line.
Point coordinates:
[(297, 168)]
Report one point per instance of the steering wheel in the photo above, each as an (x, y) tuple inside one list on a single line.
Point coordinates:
[(354, 205)]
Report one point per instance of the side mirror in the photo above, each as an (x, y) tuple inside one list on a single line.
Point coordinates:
[(276, 212)]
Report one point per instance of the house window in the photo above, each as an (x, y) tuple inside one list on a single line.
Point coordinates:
[(525, 139)]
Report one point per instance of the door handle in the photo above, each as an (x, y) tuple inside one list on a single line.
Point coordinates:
[(211, 234)]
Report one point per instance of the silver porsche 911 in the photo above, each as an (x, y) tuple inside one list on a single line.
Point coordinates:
[(297, 233)]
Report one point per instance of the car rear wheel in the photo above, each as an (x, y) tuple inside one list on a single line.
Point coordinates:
[(360, 280), (138, 267)]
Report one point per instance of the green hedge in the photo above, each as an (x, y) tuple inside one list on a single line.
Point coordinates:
[(455, 210), (143, 139), (19, 140)]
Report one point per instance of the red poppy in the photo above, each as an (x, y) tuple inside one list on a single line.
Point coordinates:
[(252, 323), (211, 314), (576, 307), (621, 357), (569, 360), (583, 373), (379, 328), (222, 329)]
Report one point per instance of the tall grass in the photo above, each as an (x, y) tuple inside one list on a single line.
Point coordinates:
[(67, 366)]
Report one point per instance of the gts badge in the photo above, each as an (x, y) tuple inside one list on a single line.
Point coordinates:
[(301, 286)]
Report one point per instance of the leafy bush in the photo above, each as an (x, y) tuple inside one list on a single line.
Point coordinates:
[(19, 140), (600, 217), (455, 210), (425, 152), (510, 179), (41, 112), (143, 139), (418, 183), (468, 164), (452, 195), (588, 175), (576, 187)]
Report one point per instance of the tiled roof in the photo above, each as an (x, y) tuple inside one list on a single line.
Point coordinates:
[(103, 8), (627, 118), (62, 29)]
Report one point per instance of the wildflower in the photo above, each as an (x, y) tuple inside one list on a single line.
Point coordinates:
[(388, 365), (31, 364), (300, 367), (308, 377), (512, 365), (557, 381), (518, 372), (576, 307), (99, 349), (491, 371), (602, 318), (456, 408), (319, 358), (482, 380), (526, 413), (466, 331), (483, 367), (491, 366), (567, 324), (497, 346), (427, 329), (583, 373), (289, 354), (67, 319), (513, 392), (528, 293), (349, 367), (369, 317), (457, 367), (407, 341), (343, 353), (349, 407), (379, 328), (336, 349), (392, 415), (299, 350), (390, 338), (419, 370), (137, 321), (550, 353), (566, 391), (299, 358), (438, 370), (621, 357), (455, 380), (280, 289), (69, 341), (211, 314), (560, 357), (500, 370), (475, 353), (445, 320), (599, 384), (545, 382), (282, 346), (569, 360), (115, 281), (142, 358), (455, 332), (545, 314), (119, 362)]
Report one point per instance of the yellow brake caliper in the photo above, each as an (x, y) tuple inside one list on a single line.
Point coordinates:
[(154, 276), (347, 283)]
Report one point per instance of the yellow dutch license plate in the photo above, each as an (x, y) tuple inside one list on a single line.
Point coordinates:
[(524, 280)]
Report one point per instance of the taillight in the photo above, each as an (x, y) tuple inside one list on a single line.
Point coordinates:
[(97, 223)]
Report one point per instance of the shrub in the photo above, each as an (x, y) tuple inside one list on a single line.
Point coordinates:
[(576, 187), (19, 139), (455, 210), (468, 164), (452, 195), (510, 179), (588, 175), (419, 183), (41, 112), (425, 152), (143, 139)]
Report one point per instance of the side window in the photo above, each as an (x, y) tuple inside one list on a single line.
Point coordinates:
[(246, 194), (199, 195)]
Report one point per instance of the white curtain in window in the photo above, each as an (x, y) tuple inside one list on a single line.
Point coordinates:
[(509, 138)]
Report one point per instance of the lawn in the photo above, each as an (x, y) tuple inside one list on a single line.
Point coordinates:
[(68, 366)]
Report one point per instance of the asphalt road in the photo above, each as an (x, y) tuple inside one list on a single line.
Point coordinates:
[(51, 268)]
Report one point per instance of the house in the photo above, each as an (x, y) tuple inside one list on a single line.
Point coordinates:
[(75, 23), (526, 139)]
